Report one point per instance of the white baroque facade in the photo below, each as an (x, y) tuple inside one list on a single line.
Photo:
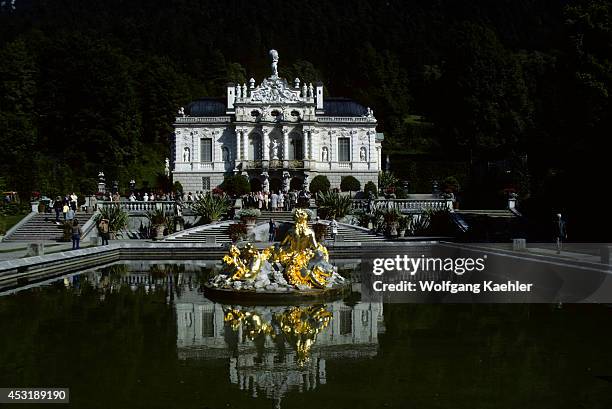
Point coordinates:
[(275, 131)]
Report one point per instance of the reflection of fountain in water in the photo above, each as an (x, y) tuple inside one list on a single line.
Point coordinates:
[(261, 343)]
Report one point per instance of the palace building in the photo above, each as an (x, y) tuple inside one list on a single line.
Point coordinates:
[(278, 135)]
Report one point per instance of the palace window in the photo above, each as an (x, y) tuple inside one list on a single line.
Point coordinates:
[(206, 150), (344, 149), (206, 183), (254, 147), (296, 148)]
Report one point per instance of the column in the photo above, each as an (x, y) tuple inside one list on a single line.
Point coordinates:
[(266, 143), (245, 144), (285, 144), (305, 135)]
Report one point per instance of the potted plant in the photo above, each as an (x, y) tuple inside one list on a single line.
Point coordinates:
[(391, 218), (249, 217), (403, 223), (117, 219), (157, 220), (211, 207), (237, 232)]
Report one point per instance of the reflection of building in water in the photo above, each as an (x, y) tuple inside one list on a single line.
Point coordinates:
[(265, 365)]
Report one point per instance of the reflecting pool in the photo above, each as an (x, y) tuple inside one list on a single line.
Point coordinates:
[(143, 335)]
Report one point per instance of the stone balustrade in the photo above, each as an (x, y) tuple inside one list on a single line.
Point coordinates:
[(405, 205), (343, 119), (201, 119), (141, 206)]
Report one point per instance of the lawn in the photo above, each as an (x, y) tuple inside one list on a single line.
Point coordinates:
[(6, 222)]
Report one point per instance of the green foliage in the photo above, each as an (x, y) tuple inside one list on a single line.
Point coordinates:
[(319, 183), (387, 180), (236, 185), (177, 187), (486, 104), (237, 231), (249, 213), (350, 184), (450, 184), (332, 204), (158, 217), (320, 231), (117, 217), (211, 207), (370, 189)]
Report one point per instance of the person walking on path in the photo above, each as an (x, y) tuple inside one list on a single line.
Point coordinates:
[(69, 214), (73, 202), (560, 232), (334, 227), (57, 206), (65, 209), (103, 227), (76, 235), (271, 230)]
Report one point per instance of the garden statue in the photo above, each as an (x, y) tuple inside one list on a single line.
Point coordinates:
[(167, 167), (286, 181), (298, 263), (274, 149), (266, 182)]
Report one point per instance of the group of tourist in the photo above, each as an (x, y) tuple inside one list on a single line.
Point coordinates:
[(151, 197), (66, 206), (274, 201)]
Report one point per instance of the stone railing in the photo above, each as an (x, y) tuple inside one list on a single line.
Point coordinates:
[(201, 119), (142, 207), (406, 205), (349, 119)]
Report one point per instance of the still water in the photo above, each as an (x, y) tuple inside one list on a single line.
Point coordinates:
[(140, 335)]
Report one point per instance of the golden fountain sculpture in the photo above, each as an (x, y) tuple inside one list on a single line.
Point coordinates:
[(299, 263)]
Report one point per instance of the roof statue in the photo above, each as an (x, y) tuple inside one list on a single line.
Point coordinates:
[(274, 56)]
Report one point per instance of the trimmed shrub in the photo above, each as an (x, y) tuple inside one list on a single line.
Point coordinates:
[(370, 187), (350, 184), (319, 183), (235, 185)]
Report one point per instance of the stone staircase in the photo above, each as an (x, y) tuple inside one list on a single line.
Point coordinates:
[(217, 233), (497, 225), (212, 233), (42, 227), (507, 213)]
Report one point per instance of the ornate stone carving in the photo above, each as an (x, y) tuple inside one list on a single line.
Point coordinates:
[(273, 90)]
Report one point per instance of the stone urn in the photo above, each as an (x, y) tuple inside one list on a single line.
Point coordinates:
[(250, 223), (249, 218), (392, 228), (159, 231)]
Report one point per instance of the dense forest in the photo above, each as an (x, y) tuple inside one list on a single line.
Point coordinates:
[(88, 85)]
